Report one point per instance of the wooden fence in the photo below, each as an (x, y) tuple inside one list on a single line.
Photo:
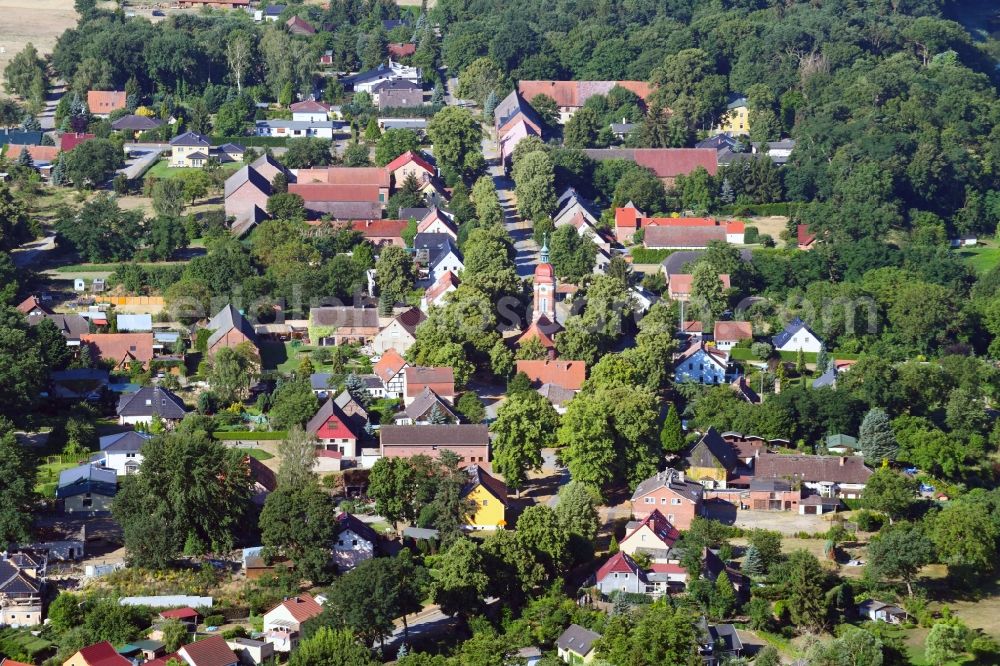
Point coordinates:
[(130, 300)]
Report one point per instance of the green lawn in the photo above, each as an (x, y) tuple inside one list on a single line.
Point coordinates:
[(981, 258), (161, 170), (260, 454), (48, 477)]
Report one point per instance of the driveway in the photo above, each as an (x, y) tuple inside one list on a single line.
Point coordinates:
[(520, 230), (31, 253)]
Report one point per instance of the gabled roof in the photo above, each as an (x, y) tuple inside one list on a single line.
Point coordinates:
[(191, 139), (106, 101), (408, 157), (716, 355), (446, 282), (479, 477), (389, 365), (512, 105), (576, 93), (150, 400), (247, 174), (577, 639), (309, 105), (302, 607), (683, 236), (211, 651), (441, 380), (124, 441), (664, 162), (15, 581), (567, 374), (374, 176), (331, 418), (347, 521), (268, 167), (39, 154), (183, 613), (227, 319), (425, 402), (672, 479), (794, 326), (744, 390), (660, 526), (315, 192), (380, 228), (402, 49), (197, 155), (71, 140), (803, 236), (102, 654), (830, 469), (298, 25), (542, 329), (136, 123), (733, 330), (711, 451), (344, 316), (410, 319), (620, 562), (31, 303)]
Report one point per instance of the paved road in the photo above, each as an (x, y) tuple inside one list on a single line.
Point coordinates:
[(47, 119), (551, 466), (428, 622), (520, 231), (145, 156)]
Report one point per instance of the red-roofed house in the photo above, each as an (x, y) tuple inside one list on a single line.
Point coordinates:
[(621, 574), (71, 140), (439, 380), (401, 49), (806, 240), (212, 651), (666, 163), (436, 222), (570, 96), (121, 348), (186, 615), (679, 286), (332, 430), (299, 26), (102, 102), (382, 232), (410, 163), (653, 536), (98, 654), (283, 622), (39, 154), (341, 202), (389, 370), (32, 306), (728, 333), (565, 374), (434, 296)]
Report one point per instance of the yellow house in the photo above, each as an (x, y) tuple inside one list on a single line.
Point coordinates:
[(489, 495), (737, 118), (189, 149)]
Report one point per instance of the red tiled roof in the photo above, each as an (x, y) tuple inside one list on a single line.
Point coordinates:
[(566, 374), (620, 562), (542, 329), (576, 93), (162, 661), (406, 158), (673, 162), (627, 217), (29, 304), (209, 652), (38, 153), (390, 364), (120, 347), (680, 283), (692, 327), (179, 613), (805, 239), (380, 228), (677, 222), (733, 330), (680, 236), (302, 607), (71, 140), (11, 662), (344, 176), (298, 24), (448, 279), (439, 380), (102, 654), (402, 49), (105, 101), (667, 568), (334, 192), (735, 227), (309, 106), (661, 527)]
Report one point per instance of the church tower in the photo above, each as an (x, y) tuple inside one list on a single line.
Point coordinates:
[(544, 288)]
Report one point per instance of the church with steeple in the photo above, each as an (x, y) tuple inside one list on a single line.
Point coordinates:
[(543, 323)]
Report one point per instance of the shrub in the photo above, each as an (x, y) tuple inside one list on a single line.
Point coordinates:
[(868, 521), (750, 235), (761, 350), (214, 620), (235, 632)]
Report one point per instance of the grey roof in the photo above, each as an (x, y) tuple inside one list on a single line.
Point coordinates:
[(124, 441), (416, 213), (403, 123), (232, 148), (344, 398), (736, 100), (326, 410), (389, 24), (725, 638), (556, 394), (420, 533), (72, 326), (717, 142), (513, 104), (299, 124), (150, 400), (674, 264), (770, 485), (828, 378), (247, 174), (623, 128), (382, 70), (396, 84), (670, 478), (87, 479), (190, 139), (437, 246), (577, 639), (226, 320), (794, 326), (274, 10), (166, 336), (13, 581), (138, 323), (435, 435), (829, 469), (197, 155), (344, 316), (136, 123), (840, 439), (711, 451), (320, 381), (425, 402)]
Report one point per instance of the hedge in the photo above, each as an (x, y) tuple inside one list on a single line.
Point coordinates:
[(249, 434), (643, 255), (258, 141)]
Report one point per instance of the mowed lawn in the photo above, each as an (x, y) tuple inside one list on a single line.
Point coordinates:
[(982, 257), (161, 170)]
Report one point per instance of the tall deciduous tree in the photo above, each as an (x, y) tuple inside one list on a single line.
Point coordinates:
[(899, 554), (17, 485), (889, 492), (331, 647), (457, 139), (577, 510), (525, 424), (299, 523), (458, 578), (394, 273)]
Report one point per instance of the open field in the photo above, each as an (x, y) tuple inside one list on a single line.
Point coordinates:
[(162, 170), (981, 258), (39, 22)]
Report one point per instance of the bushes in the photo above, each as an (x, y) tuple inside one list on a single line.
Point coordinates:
[(215, 620), (750, 235), (868, 521), (642, 255)]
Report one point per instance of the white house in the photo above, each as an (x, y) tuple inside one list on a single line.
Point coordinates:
[(621, 574), (355, 542), (288, 617), (366, 81), (122, 452), (400, 333), (310, 111), (322, 129), (735, 232), (437, 221), (797, 336), (879, 611), (434, 296), (702, 364), (149, 402)]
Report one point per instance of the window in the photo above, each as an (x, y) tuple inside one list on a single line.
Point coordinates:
[(486, 502), (643, 537), (675, 501), (663, 500), (670, 517), (650, 500)]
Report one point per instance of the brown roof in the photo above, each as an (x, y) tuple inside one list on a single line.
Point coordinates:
[(298, 25), (576, 93), (733, 330), (210, 652), (402, 49), (682, 236), (680, 283), (105, 101), (380, 228), (344, 316), (334, 192), (29, 304), (179, 613), (38, 153), (102, 654), (347, 176), (460, 434), (834, 469), (120, 347), (390, 364), (439, 380), (692, 326), (672, 162), (410, 319), (722, 357), (302, 607), (567, 374), (309, 106)]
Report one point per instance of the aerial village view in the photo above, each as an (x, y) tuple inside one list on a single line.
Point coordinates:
[(499, 332)]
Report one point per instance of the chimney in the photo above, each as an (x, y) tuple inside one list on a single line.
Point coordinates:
[(842, 461), (680, 476)]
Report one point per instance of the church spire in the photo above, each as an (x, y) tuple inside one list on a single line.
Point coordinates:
[(545, 249)]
